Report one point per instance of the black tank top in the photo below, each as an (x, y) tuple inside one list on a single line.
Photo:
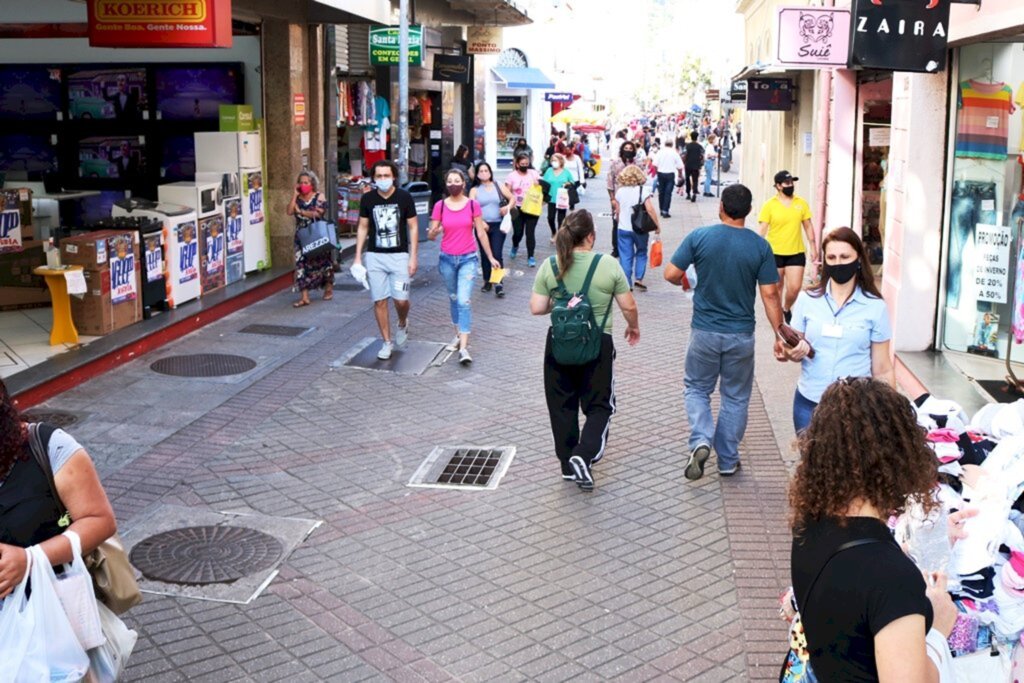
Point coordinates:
[(28, 512)]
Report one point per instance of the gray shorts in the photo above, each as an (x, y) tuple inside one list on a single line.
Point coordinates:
[(388, 275)]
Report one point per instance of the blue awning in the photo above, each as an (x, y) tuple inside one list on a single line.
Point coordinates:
[(523, 77)]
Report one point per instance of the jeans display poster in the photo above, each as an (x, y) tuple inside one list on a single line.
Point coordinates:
[(122, 270), (154, 258), (992, 261), (10, 230), (188, 252), (233, 211), (254, 194)]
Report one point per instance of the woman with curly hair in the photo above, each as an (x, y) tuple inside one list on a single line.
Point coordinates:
[(866, 609), (29, 515)]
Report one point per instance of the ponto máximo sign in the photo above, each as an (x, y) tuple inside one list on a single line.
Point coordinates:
[(159, 23), (899, 35)]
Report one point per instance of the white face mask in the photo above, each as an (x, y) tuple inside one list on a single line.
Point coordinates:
[(556, 165)]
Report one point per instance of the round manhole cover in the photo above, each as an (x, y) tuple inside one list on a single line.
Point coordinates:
[(205, 554), (203, 365), (57, 418)]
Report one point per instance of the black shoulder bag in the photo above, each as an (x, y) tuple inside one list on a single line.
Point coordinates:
[(640, 219)]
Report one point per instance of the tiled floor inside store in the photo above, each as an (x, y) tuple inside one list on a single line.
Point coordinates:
[(25, 339)]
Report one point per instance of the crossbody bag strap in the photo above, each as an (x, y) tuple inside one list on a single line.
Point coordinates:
[(846, 546), (39, 446)]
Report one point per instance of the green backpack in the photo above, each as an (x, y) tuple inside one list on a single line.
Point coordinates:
[(575, 335)]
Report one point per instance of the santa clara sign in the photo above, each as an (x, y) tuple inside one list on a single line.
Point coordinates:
[(899, 35)]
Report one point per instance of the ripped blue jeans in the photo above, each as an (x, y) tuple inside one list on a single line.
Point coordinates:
[(459, 273)]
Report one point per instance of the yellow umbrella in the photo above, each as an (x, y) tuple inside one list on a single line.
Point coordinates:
[(571, 117)]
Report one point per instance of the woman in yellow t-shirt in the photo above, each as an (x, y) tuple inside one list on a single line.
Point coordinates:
[(779, 222)]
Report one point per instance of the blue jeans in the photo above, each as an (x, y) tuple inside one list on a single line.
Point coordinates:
[(966, 212), (459, 273), (709, 169), (633, 254), (803, 408), (710, 357), (666, 181)]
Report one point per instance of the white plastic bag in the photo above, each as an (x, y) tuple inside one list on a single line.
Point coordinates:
[(17, 626), (108, 661), (359, 273), (74, 588), (562, 198), (53, 653), (506, 223)]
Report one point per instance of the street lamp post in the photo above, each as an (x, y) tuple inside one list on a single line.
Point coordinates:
[(403, 92)]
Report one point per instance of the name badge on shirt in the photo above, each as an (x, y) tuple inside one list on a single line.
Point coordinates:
[(832, 331)]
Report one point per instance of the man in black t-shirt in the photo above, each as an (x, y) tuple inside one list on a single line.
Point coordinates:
[(693, 161), (388, 233)]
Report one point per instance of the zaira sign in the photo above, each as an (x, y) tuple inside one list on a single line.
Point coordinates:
[(899, 35)]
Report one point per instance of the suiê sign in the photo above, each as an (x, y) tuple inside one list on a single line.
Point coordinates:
[(812, 37), (159, 23)]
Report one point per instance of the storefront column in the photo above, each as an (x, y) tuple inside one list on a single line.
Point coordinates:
[(839, 194), (285, 74), (914, 196)]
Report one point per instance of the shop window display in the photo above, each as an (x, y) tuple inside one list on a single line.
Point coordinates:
[(30, 93), (984, 287)]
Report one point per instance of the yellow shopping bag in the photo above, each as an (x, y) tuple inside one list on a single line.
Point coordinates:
[(533, 201), (497, 275)]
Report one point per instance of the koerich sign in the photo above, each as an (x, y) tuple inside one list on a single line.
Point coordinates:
[(899, 35), (159, 23)]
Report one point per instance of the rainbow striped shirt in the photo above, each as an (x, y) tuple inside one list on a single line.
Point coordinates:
[(983, 126)]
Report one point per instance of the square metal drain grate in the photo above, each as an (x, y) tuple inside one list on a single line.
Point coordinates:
[(472, 468), (276, 330)]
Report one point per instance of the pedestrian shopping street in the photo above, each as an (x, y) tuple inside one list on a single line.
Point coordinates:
[(648, 577)]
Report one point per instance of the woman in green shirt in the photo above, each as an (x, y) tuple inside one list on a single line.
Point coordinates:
[(557, 176)]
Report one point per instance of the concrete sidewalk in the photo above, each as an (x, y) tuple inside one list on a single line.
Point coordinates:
[(649, 577)]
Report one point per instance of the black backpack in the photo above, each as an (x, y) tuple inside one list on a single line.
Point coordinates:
[(575, 335)]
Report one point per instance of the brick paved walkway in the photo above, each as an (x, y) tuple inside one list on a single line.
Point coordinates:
[(649, 577)]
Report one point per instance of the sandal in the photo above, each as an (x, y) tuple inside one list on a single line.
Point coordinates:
[(641, 286), (300, 303), (328, 295)]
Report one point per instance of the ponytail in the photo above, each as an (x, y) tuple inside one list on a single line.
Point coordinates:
[(576, 227)]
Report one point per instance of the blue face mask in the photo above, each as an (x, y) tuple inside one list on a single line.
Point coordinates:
[(384, 184)]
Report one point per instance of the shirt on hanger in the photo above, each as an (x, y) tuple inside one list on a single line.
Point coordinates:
[(983, 126)]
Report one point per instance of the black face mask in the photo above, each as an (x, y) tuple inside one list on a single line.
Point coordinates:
[(843, 272), (628, 155), (788, 191)]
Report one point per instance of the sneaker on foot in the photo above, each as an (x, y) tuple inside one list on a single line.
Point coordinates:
[(464, 357), (695, 463), (532, 262), (499, 291), (402, 335), (512, 254), (693, 199), (487, 287), (453, 345), (582, 471), (729, 471), (385, 351)]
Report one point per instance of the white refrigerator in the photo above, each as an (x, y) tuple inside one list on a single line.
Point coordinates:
[(241, 153), (208, 202), (181, 245), (234, 263)]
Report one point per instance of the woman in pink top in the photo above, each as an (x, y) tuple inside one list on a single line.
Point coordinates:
[(456, 218), (521, 179)]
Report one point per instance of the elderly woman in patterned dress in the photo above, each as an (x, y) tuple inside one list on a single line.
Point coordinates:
[(316, 272)]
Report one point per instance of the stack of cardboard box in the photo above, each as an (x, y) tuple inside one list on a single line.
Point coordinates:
[(110, 259), (20, 253)]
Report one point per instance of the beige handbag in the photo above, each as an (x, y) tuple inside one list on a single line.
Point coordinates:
[(112, 574)]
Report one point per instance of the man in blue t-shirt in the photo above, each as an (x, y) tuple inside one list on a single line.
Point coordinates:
[(732, 263)]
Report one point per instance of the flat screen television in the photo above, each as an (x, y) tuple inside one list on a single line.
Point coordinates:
[(30, 93), (177, 158), (26, 157), (115, 94), (90, 210), (118, 157), (196, 93)]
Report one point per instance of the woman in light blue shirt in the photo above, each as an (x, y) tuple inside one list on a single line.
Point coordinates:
[(845, 320)]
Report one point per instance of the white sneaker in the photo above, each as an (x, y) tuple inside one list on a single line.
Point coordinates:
[(385, 351), (453, 345), (464, 357), (402, 335)]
